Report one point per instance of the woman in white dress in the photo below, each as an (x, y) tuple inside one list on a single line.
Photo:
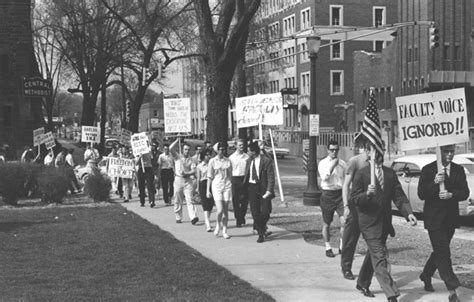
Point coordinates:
[(219, 176)]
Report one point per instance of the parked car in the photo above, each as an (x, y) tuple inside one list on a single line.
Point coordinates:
[(279, 152), (82, 172), (408, 169), (469, 156), (110, 143)]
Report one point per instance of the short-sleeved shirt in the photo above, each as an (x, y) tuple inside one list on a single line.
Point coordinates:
[(331, 181), (220, 171), (166, 161), (184, 164), (355, 163), (239, 162), (201, 170)]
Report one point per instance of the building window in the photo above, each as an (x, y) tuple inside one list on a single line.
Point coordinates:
[(446, 52), (379, 16), (383, 102), (388, 97), (7, 117), (306, 18), (457, 52), (4, 66), (409, 55), (337, 50), (379, 45), (337, 82), (274, 31), (336, 15), (305, 83), (289, 25), (304, 55), (364, 99), (155, 113), (274, 86)]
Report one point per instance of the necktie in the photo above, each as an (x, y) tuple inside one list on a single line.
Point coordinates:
[(380, 176), (254, 172)]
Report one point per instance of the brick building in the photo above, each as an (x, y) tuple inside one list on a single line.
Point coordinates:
[(278, 57), (414, 66), (18, 115)]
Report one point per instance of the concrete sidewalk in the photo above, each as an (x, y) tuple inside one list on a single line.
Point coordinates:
[(285, 266)]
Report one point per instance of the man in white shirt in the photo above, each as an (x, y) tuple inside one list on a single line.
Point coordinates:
[(166, 168), (239, 193), (331, 170)]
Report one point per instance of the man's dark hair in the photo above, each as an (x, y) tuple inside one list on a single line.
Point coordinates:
[(204, 153), (332, 142), (222, 145), (254, 147), (166, 145)]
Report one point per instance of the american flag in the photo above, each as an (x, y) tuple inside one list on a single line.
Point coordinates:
[(371, 126)]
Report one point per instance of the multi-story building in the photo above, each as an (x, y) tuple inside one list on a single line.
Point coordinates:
[(277, 56), (412, 66), (19, 115)]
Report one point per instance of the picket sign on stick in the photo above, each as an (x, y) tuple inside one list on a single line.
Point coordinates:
[(282, 197), (372, 165), (440, 167)]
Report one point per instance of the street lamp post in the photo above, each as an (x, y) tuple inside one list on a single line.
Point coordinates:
[(312, 193)]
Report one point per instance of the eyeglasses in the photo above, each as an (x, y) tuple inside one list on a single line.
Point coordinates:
[(222, 149), (333, 150)]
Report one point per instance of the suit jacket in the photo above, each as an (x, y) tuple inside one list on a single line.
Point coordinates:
[(375, 212), (266, 179), (440, 213)]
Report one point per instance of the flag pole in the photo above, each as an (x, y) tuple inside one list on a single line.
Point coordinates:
[(440, 167)]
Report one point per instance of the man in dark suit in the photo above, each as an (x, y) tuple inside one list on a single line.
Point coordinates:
[(373, 203), (260, 182), (441, 215)]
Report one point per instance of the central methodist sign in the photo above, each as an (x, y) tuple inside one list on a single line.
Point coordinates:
[(36, 87)]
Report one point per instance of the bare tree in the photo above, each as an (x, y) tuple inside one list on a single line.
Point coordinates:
[(158, 29), (223, 39)]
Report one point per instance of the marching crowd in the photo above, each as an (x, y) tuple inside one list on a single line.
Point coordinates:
[(360, 191)]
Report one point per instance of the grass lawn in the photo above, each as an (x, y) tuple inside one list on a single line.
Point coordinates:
[(102, 252)]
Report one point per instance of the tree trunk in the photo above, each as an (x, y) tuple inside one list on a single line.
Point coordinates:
[(241, 80), (218, 100)]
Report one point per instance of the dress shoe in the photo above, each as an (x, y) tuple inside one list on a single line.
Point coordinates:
[(454, 298), (142, 204), (267, 234), (392, 299), (330, 254), (260, 239), (152, 205), (178, 220), (195, 220), (348, 275), (427, 281), (126, 200), (365, 291)]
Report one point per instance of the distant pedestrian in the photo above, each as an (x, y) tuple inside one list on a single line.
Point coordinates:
[(127, 183), (201, 178), (185, 173), (260, 179), (331, 170), (145, 179), (219, 187), (49, 158), (351, 232), (441, 216), (374, 207), (166, 166), (239, 193), (91, 157), (28, 155)]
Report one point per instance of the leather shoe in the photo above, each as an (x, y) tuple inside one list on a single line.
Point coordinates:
[(267, 233), (348, 275), (330, 254), (365, 291), (260, 239), (392, 299), (195, 220), (454, 298), (427, 281)]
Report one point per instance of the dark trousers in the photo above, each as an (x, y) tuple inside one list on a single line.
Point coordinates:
[(239, 199), (167, 180), (120, 186), (260, 208), (350, 237), (376, 261), (440, 258), (146, 179)]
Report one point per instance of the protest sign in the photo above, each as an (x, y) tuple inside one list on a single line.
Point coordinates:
[(265, 109), (90, 134), (38, 135), (125, 136), (140, 144), (120, 167), (177, 115), (432, 119), (48, 140)]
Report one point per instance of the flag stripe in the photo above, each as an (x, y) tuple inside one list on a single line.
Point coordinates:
[(371, 126)]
